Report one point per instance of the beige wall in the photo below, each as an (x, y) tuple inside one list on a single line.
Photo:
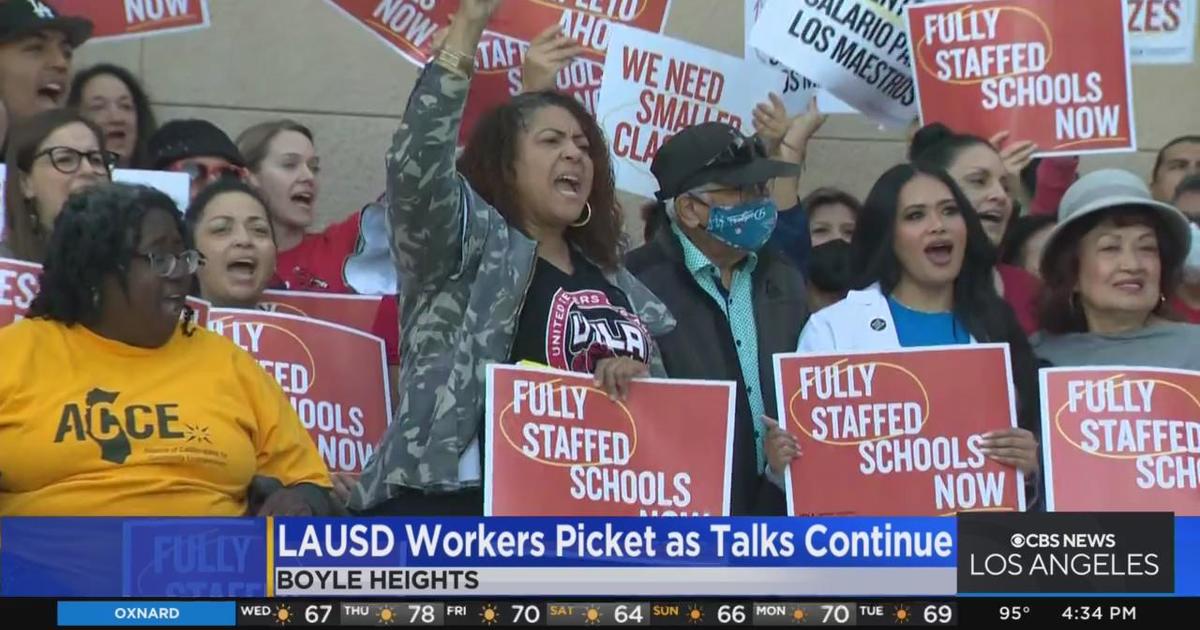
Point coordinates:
[(302, 58)]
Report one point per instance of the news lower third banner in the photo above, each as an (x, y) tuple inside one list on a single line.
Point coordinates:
[(835, 556)]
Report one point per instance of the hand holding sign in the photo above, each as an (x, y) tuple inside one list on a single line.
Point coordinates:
[(1015, 447), (781, 447), (614, 375), (1016, 155), (548, 54), (343, 485)]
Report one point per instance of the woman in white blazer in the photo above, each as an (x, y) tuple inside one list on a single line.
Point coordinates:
[(923, 266)]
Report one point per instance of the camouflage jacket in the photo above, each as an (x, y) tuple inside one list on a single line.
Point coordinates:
[(464, 273)]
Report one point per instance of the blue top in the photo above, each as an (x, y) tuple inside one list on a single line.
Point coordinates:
[(917, 328), (791, 237)]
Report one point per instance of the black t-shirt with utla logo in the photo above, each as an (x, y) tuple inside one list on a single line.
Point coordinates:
[(570, 322)]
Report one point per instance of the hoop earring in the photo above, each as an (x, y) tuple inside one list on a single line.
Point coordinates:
[(586, 217)]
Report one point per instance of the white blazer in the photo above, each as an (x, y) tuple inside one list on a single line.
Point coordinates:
[(862, 321)]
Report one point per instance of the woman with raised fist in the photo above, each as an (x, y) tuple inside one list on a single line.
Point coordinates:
[(496, 251)]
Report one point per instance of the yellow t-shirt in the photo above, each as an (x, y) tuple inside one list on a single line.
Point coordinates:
[(94, 427)]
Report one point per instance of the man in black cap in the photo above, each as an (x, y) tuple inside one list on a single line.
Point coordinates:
[(736, 302), (198, 148), (36, 46)]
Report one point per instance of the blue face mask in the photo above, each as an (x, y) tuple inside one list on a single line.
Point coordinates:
[(746, 226)]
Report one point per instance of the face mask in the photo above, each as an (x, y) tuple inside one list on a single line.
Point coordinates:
[(829, 266), (746, 226), (1191, 264)]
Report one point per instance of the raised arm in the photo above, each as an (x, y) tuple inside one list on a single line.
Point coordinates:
[(427, 200), (786, 138)]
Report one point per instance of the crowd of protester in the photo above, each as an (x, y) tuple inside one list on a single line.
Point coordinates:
[(478, 252)]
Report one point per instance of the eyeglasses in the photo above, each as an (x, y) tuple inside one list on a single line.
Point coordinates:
[(67, 160), (740, 150), (197, 171), (167, 265)]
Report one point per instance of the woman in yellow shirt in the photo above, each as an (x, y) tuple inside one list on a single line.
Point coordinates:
[(110, 406)]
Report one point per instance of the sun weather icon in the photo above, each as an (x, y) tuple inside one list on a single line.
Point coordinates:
[(591, 616), (902, 614), (489, 615), (798, 615), (283, 614), (695, 614), (387, 616)]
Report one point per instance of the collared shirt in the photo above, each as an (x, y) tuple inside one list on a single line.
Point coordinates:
[(737, 303)]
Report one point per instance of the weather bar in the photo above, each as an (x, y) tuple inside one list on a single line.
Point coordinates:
[(1007, 611)]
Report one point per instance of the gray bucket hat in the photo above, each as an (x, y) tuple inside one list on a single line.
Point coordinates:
[(1110, 188)]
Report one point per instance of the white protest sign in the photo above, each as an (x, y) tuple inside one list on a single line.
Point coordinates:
[(1162, 31), (856, 49), (796, 90), (654, 86), (175, 185)]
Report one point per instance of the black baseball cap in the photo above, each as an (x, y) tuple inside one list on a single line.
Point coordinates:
[(191, 138), (713, 153), (19, 18)]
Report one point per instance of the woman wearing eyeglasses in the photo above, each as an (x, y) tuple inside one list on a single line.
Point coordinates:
[(111, 406), (52, 154)]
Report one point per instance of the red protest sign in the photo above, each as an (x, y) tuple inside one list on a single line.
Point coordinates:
[(200, 308), (586, 21), (406, 25), (356, 311), (1021, 66), (335, 377), (123, 19), (409, 27), (557, 446), (1121, 439), (898, 433), (19, 281), (497, 78)]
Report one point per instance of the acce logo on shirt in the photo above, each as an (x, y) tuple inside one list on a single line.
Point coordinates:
[(112, 428)]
